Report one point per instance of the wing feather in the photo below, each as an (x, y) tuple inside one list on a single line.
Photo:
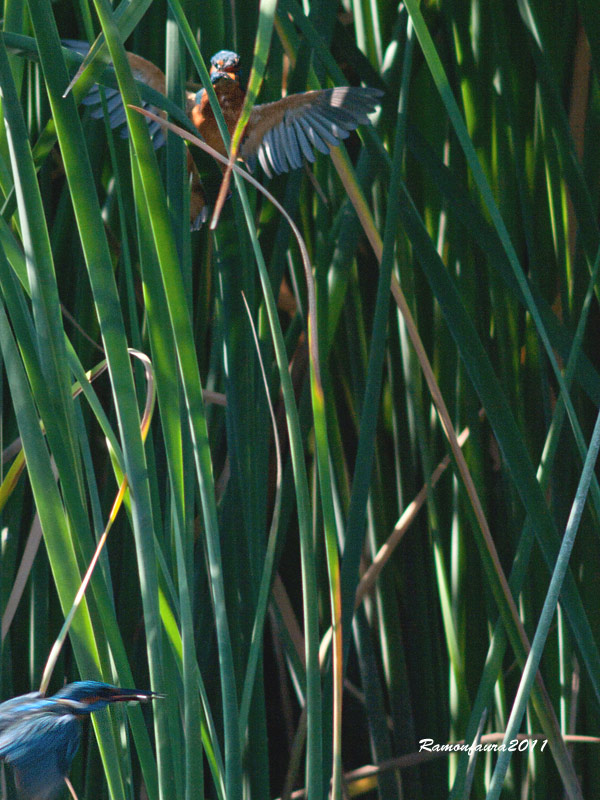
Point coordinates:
[(13, 710), (310, 137), (114, 102), (92, 98), (279, 149), (292, 149), (281, 133), (303, 142), (313, 135), (142, 70), (340, 116), (265, 154), (328, 131), (271, 151), (262, 157), (117, 118)]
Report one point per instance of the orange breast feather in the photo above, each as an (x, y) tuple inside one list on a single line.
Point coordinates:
[(231, 99)]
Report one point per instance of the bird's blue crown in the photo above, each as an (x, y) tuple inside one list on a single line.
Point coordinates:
[(225, 60)]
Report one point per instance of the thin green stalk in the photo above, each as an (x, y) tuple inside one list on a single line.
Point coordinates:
[(547, 615)]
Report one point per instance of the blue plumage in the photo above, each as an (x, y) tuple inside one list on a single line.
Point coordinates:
[(39, 736)]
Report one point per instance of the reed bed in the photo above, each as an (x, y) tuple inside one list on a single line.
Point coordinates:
[(360, 510)]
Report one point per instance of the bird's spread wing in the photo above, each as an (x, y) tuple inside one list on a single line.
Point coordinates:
[(40, 749), (281, 134), (143, 70)]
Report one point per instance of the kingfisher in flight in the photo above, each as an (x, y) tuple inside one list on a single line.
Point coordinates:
[(39, 735), (280, 135)]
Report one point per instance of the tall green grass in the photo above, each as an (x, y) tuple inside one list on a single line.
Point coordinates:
[(309, 626)]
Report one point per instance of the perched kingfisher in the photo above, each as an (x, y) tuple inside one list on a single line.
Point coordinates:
[(280, 134), (39, 736)]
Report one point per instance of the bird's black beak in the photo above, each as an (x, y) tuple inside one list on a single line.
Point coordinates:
[(118, 695)]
